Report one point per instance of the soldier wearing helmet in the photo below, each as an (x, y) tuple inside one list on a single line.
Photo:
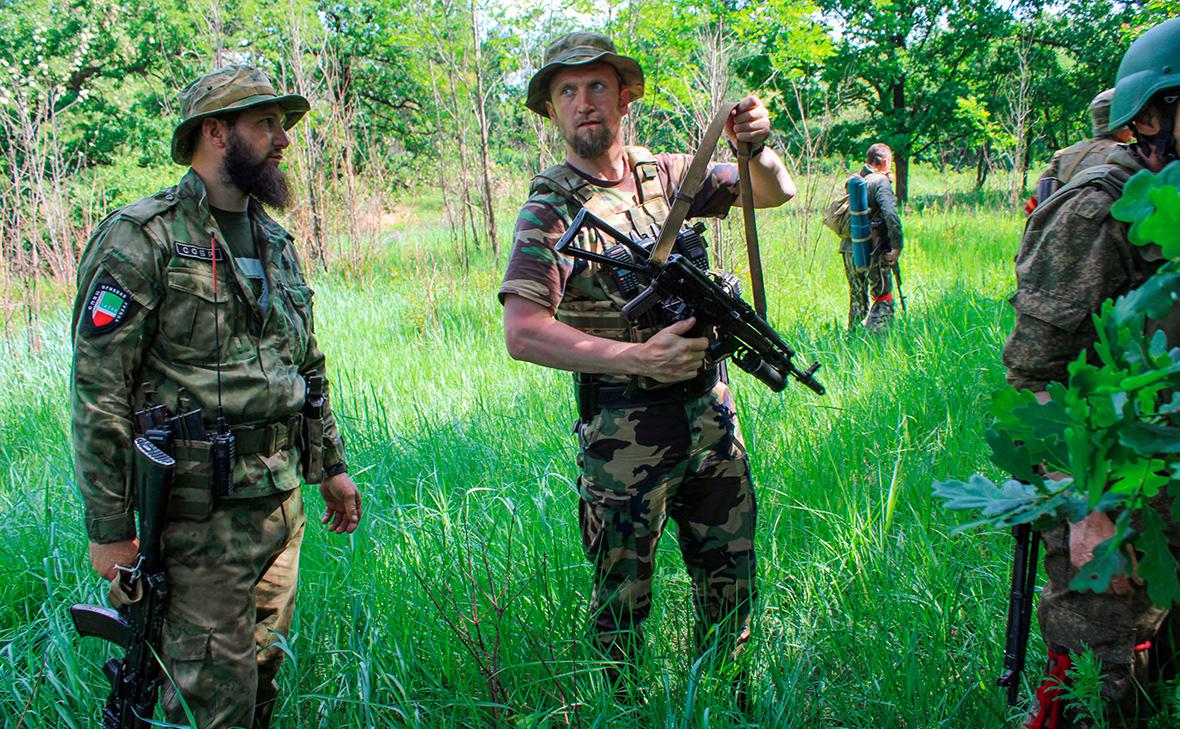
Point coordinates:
[(1073, 257), (1084, 154)]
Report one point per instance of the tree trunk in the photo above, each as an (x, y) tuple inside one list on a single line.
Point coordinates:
[(982, 167), (481, 114), (901, 166), (901, 157)]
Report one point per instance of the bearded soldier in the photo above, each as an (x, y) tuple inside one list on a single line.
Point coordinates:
[(1084, 154), (1073, 257), (194, 299), (658, 433)]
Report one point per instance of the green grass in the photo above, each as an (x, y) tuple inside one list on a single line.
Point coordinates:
[(461, 599)]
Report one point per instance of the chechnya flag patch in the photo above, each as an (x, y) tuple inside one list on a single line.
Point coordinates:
[(107, 307)]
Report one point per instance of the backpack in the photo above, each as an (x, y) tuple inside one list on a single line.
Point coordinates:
[(837, 216)]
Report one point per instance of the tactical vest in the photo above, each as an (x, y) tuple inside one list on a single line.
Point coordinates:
[(591, 302)]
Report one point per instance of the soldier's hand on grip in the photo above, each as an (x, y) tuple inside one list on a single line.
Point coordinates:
[(669, 356)]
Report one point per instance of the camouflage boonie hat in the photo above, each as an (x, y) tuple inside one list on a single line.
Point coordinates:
[(1100, 114), (579, 49), (232, 88)]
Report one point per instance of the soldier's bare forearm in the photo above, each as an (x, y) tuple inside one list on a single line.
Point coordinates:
[(533, 335), (771, 183)]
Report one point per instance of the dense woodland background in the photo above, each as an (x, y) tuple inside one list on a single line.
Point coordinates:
[(411, 97)]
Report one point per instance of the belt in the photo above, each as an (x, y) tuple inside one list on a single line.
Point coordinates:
[(625, 396), (270, 438)]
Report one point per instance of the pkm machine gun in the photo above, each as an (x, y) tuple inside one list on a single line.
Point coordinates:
[(682, 287)]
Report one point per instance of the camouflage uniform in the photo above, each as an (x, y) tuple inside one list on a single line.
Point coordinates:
[(1073, 257), (1077, 157), (870, 290), (145, 332), (680, 458), (1085, 154)]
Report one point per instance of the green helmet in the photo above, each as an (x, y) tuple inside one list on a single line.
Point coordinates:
[(1150, 65)]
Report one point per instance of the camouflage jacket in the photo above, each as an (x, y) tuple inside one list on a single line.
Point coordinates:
[(882, 211), (146, 332), (1076, 157), (1073, 256)]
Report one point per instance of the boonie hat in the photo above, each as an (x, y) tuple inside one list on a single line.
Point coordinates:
[(579, 49), (228, 89)]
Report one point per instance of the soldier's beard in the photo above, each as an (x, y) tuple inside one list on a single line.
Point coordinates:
[(254, 177), (591, 143)]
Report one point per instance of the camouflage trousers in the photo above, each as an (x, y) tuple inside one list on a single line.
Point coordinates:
[(231, 594), (870, 292), (642, 466), (1136, 642)]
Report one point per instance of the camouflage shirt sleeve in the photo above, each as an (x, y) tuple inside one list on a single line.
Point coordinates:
[(882, 197), (1073, 257), (119, 286), (719, 189), (536, 271)]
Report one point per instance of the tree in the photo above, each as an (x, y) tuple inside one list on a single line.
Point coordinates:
[(900, 68)]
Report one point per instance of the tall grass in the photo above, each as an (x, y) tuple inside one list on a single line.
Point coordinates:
[(461, 600)]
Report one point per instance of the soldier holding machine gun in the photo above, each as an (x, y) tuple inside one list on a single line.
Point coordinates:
[(658, 432), (193, 328)]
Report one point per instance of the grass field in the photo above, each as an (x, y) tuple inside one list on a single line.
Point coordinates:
[(461, 599)]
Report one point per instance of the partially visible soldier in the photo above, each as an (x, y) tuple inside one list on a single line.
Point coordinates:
[(659, 435), (1073, 257), (1084, 154), (870, 290), (177, 292)]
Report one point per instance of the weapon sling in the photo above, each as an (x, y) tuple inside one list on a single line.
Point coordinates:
[(751, 227), (690, 185)]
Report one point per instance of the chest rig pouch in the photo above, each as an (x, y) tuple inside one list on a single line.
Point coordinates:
[(594, 296)]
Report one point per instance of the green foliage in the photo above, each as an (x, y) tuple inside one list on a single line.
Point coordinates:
[(1152, 205), (1115, 428)]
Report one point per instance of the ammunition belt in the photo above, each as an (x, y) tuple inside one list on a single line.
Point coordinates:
[(270, 438)]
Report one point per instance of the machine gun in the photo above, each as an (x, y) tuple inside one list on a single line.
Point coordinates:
[(682, 287), (136, 678), (1020, 603)]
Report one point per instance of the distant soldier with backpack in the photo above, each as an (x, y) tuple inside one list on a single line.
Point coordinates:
[(870, 287), (1084, 154), (1073, 257)]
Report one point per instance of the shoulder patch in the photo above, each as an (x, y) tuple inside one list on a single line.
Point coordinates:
[(199, 253), (107, 308)]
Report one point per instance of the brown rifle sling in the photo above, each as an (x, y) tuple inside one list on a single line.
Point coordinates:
[(752, 249), (690, 185)]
